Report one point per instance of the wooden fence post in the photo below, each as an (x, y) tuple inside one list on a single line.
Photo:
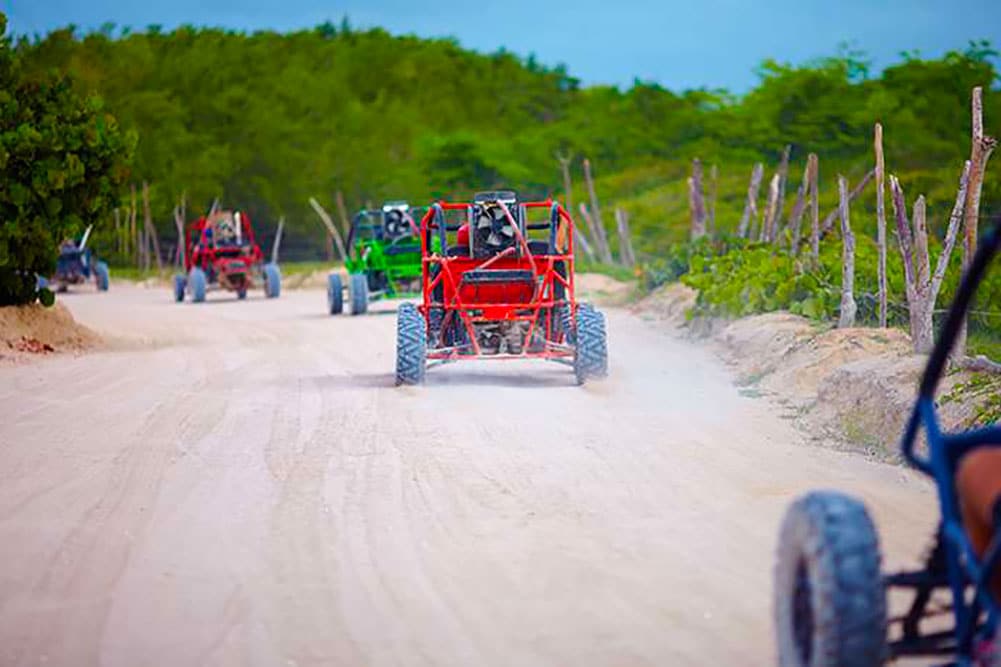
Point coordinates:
[(922, 287), (814, 164), (848, 305), (711, 208), (751, 207), (952, 232), (798, 208), (151, 231), (768, 223), (565, 161), (980, 152), (832, 217), (277, 243), (580, 238), (328, 222), (118, 232), (880, 221), (179, 225), (783, 174), (600, 241), (134, 229), (626, 255), (696, 201), (342, 211), (601, 238)]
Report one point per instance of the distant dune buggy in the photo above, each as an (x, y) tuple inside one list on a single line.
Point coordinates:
[(491, 291), (830, 595), (384, 258), (76, 264), (221, 253)]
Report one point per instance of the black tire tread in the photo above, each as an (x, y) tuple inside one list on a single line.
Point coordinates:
[(591, 344), (833, 535), (411, 345)]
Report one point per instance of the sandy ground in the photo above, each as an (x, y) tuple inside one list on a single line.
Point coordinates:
[(239, 483)]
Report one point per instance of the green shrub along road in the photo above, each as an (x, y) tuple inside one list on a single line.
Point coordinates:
[(62, 166), (735, 277)]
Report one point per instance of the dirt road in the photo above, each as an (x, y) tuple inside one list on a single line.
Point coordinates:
[(240, 483)]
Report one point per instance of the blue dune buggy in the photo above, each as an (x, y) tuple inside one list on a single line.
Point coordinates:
[(76, 264), (830, 595)]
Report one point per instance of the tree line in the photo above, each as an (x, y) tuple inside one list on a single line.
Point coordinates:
[(265, 121)]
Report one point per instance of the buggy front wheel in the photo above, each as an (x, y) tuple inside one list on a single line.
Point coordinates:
[(197, 284), (830, 604), (358, 288), (102, 277), (411, 345)]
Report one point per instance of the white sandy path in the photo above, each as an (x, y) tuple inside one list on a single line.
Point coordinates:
[(240, 483)]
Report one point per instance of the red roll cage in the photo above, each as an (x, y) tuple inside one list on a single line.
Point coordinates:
[(541, 282)]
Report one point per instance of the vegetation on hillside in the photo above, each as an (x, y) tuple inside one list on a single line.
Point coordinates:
[(266, 120)]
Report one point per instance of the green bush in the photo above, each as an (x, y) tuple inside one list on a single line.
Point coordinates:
[(761, 278), (62, 163), (746, 279), (678, 259)]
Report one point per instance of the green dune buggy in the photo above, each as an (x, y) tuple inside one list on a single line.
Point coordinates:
[(384, 258)]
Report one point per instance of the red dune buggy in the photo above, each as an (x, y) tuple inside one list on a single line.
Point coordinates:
[(496, 285), (221, 253)]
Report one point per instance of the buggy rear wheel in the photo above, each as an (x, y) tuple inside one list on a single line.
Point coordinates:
[(358, 288), (591, 344), (830, 604), (197, 284), (335, 294), (272, 281), (411, 345)]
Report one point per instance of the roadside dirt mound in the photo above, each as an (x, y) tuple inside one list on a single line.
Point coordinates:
[(668, 304), (28, 331), (602, 289), (853, 386)]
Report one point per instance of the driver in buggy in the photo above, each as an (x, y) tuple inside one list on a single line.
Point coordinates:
[(227, 230)]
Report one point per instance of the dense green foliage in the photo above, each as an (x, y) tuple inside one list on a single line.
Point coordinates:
[(736, 280), (62, 165), (266, 120)]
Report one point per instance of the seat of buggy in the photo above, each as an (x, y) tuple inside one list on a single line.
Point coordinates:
[(978, 487)]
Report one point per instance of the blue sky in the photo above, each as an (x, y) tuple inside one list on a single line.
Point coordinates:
[(711, 43)]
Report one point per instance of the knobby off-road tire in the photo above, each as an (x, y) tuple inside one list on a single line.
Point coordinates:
[(197, 284), (358, 287), (411, 345), (830, 604), (179, 286), (591, 344), (335, 294), (272, 281)]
